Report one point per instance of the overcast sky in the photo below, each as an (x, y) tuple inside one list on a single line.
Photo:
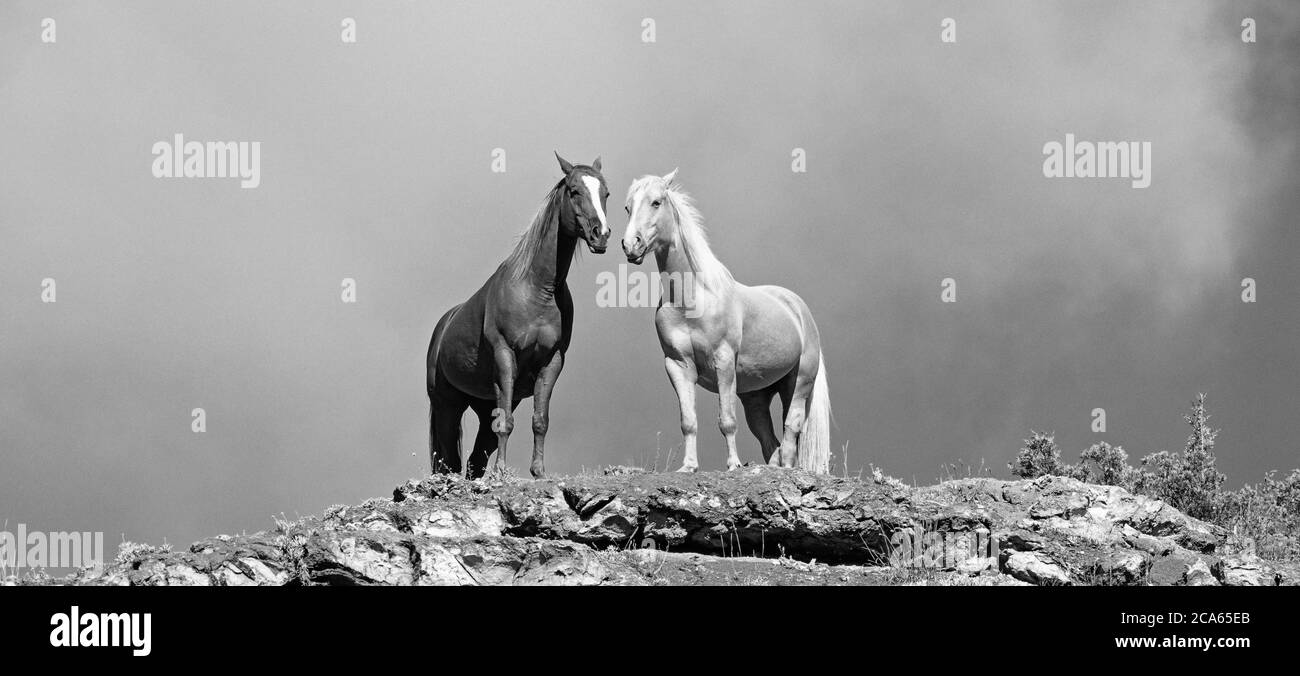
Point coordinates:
[(924, 161)]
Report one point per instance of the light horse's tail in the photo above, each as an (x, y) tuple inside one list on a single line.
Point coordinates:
[(815, 441)]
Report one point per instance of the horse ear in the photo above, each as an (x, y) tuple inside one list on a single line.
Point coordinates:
[(668, 177), (596, 165), (564, 164)]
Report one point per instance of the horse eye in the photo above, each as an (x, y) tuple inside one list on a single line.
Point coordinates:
[(655, 204)]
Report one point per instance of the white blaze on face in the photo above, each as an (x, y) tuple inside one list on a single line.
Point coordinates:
[(593, 191), (634, 203)]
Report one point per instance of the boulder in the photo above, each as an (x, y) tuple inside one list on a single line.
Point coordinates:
[(1198, 574), (1036, 568), (1245, 570)]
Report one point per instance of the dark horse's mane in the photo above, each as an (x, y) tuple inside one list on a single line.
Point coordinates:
[(530, 241)]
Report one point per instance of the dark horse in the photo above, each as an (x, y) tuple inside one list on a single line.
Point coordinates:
[(508, 341)]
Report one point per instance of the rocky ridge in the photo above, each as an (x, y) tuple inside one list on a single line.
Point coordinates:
[(752, 526)]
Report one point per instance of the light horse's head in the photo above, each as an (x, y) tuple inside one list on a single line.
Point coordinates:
[(586, 195), (652, 220)]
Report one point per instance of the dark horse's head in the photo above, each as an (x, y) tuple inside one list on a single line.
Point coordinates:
[(585, 190)]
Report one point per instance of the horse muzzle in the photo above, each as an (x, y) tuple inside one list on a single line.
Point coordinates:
[(636, 254)]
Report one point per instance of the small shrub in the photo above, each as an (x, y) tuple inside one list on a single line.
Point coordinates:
[(1103, 464), (129, 552), (1040, 455), (881, 479), (1267, 514)]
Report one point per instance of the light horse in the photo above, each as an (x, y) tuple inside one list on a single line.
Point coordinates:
[(753, 341), (508, 341)]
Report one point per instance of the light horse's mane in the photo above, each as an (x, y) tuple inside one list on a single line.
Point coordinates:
[(691, 235), (521, 259)]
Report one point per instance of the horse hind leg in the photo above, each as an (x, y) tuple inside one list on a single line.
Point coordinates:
[(758, 415), (796, 393), (485, 442)]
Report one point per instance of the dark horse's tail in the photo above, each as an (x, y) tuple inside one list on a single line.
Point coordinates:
[(434, 460), (437, 463)]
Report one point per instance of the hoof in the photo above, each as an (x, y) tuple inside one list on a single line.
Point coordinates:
[(686, 470)]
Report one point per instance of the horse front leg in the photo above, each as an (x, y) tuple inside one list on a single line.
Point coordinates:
[(503, 422), (724, 365), (542, 410), (682, 374)]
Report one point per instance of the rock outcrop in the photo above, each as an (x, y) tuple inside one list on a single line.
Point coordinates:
[(755, 525)]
